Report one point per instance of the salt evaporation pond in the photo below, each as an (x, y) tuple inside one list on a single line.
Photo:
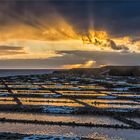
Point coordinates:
[(64, 118), (100, 133)]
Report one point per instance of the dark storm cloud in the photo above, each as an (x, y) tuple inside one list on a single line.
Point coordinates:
[(111, 58), (74, 57), (11, 50), (119, 17), (112, 45)]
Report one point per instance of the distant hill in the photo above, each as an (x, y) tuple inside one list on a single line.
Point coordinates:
[(107, 70), (123, 70)]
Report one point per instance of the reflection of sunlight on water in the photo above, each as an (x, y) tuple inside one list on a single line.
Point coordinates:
[(85, 94), (107, 103), (99, 133), (46, 99), (7, 103), (6, 99), (32, 91), (116, 106), (51, 103), (64, 118)]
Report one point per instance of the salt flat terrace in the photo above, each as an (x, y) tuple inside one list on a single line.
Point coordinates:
[(36, 101)]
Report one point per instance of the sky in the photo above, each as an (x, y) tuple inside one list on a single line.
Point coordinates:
[(67, 34)]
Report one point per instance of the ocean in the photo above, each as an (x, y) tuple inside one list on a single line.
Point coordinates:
[(15, 72)]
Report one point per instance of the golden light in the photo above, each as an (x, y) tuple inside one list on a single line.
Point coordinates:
[(58, 35), (88, 64)]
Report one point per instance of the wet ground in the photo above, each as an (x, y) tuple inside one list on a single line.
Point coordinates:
[(41, 108)]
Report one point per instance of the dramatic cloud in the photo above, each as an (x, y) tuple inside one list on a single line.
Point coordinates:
[(65, 34), (102, 40), (88, 64), (11, 50), (119, 18), (112, 44), (73, 58)]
